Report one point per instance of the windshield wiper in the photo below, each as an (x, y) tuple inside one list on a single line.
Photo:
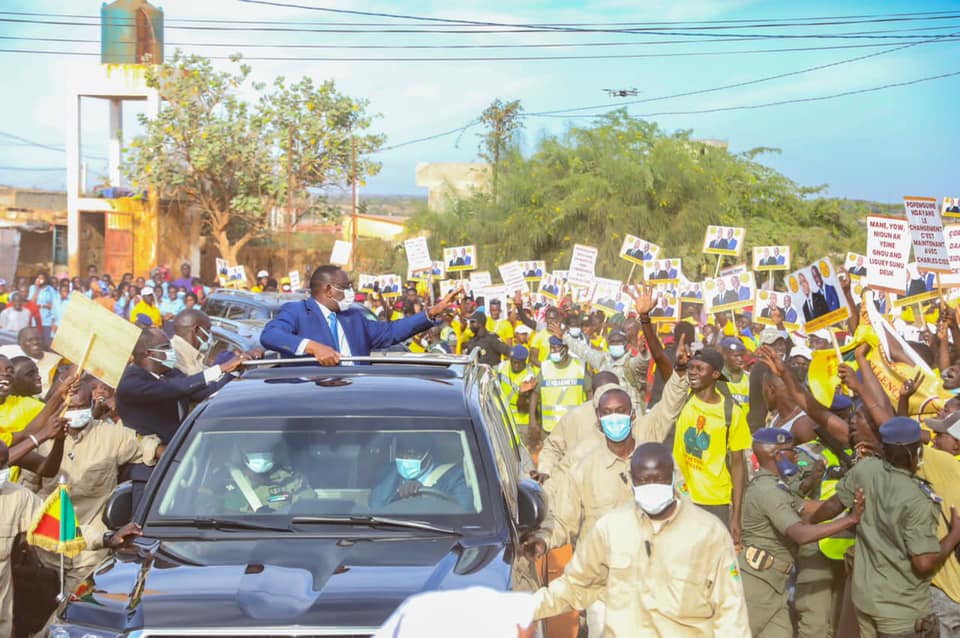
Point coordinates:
[(373, 521), (221, 524)]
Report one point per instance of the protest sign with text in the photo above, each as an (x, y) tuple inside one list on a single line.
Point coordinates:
[(512, 275), (926, 229), (418, 254), (888, 250), (583, 263), (340, 255)]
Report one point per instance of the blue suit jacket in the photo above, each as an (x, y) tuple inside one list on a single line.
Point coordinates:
[(299, 320), (154, 406), (830, 294), (453, 482)]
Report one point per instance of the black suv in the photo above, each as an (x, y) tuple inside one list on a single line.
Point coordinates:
[(327, 547)]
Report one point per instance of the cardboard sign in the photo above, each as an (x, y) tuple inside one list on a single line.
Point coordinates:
[(489, 293), (950, 207), (637, 251), (340, 256), (534, 270), (771, 258), (389, 285), (662, 271), (236, 275), (452, 284), (951, 233), (418, 254), (460, 258), (856, 265), (767, 301), (481, 279), (512, 275), (608, 296), (723, 240), (294, 279), (888, 249), (920, 287), (729, 292), (113, 338), (692, 291), (926, 230), (222, 271), (365, 282), (817, 294), (583, 263)]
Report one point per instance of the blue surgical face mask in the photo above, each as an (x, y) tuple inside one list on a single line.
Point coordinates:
[(409, 469), (616, 427), (786, 467), (259, 462), (167, 357), (556, 357), (617, 350), (181, 295), (206, 341)]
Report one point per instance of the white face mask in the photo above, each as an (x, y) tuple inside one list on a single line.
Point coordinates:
[(4, 476), (575, 332), (259, 462), (79, 418), (653, 498), (348, 298), (206, 341)]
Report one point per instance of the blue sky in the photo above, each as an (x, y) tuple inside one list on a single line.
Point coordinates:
[(878, 145)]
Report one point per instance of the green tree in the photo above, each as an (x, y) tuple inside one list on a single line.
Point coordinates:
[(238, 160), (502, 121)]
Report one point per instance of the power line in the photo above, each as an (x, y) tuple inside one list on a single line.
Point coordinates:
[(460, 129), (49, 147), (818, 98)]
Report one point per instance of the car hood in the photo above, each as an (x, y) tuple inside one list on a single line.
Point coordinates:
[(278, 582)]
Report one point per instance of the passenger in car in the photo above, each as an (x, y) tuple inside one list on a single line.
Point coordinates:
[(254, 482), (419, 472)]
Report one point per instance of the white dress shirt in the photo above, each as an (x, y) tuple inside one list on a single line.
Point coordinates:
[(344, 347)]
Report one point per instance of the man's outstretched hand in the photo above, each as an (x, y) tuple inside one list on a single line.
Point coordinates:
[(435, 311)]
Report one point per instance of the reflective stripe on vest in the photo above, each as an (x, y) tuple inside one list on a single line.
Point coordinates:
[(510, 384), (561, 389)]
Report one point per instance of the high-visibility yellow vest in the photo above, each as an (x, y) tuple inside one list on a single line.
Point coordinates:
[(560, 390), (832, 547), (510, 383)]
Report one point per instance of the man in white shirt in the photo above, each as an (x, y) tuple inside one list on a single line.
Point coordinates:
[(15, 317)]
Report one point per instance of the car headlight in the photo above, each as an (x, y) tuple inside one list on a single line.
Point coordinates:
[(76, 631)]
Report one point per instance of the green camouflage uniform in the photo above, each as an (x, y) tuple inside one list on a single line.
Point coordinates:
[(277, 489)]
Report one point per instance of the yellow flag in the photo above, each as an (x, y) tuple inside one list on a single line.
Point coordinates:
[(823, 375)]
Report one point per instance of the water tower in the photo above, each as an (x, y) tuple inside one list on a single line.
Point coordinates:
[(112, 230)]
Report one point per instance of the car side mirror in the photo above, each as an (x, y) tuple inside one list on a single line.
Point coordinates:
[(531, 506), (119, 509)]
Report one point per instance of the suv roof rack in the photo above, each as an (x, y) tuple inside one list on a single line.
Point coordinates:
[(426, 358)]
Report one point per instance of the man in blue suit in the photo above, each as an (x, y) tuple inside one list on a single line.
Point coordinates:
[(327, 327)]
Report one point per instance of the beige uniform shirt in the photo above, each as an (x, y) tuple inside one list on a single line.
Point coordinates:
[(562, 449), (90, 463), (677, 579), (599, 483), (18, 506), (189, 359)]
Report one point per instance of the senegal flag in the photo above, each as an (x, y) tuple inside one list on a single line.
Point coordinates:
[(55, 526)]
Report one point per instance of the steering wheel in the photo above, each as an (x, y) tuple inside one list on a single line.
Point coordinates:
[(429, 491)]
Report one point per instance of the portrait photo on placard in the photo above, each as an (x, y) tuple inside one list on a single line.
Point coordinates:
[(771, 258), (608, 296), (723, 240), (460, 258), (815, 290), (769, 302), (856, 265), (667, 306), (950, 207), (533, 270), (729, 292), (551, 285), (638, 250), (662, 271)]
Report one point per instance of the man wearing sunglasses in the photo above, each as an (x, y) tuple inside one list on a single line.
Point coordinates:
[(328, 326)]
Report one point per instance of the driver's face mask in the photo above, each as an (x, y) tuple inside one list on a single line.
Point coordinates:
[(410, 467)]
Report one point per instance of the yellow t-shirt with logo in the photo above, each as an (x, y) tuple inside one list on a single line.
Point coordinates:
[(740, 390), (700, 449)]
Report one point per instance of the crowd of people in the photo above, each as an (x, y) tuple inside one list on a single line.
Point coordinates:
[(702, 486)]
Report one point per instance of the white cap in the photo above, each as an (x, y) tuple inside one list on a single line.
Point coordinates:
[(522, 329), (146, 290), (475, 612), (802, 351), (262, 273), (823, 333), (770, 335)]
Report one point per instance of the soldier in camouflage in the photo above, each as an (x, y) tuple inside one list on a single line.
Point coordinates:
[(257, 484)]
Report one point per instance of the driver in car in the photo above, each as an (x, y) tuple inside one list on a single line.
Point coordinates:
[(416, 473), (256, 484)]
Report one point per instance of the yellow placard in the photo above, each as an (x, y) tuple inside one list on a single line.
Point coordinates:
[(113, 338)]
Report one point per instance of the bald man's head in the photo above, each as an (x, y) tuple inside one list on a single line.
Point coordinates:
[(651, 463), (193, 326), (605, 377)]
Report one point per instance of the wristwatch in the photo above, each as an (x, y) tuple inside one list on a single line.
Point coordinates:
[(107, 537)]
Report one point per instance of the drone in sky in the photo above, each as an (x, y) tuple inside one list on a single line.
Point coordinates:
[(623, 92)]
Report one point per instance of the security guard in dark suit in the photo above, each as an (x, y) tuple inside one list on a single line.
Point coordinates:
[(772, 530)]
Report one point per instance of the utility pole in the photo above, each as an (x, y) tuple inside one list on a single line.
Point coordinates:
[(286, 250), (355, 248)]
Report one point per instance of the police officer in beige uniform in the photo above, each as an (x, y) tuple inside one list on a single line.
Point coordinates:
[(772, 530), (93, 453), (662, 566)]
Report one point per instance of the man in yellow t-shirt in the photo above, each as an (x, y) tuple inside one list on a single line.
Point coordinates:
[(704, 441), (498, 324), (738, 379), (147, 306)]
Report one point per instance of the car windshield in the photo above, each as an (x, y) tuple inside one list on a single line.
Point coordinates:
[(424, 469)]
